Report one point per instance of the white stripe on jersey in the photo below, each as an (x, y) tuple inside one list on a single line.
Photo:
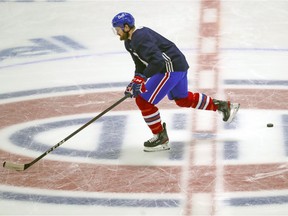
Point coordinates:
[(144, 62), (169, 65)]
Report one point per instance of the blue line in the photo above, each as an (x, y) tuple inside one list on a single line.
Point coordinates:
[(111, 202), (109, 147), (60, 89), (73, 57), (256, 49), (257, 82), (123, 52), (122, 84), (252, 201)]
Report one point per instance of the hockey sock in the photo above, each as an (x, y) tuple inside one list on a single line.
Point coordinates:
[(150, 114), (197, 101)]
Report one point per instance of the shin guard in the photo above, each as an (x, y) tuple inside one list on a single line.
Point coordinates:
[(197, 101), (150, 114)]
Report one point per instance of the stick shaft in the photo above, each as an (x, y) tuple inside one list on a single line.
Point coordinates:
[(19, 166)]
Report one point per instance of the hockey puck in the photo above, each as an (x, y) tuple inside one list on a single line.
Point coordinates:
[(270, 125)]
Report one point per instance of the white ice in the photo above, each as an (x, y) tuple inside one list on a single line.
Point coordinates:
[(61, 65)]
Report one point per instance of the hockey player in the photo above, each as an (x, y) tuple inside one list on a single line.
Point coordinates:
[(160, 70)]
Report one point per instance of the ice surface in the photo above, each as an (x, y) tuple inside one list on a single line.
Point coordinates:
[(61, 65)]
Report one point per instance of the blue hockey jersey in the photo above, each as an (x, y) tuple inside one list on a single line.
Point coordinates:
[(152, 53)]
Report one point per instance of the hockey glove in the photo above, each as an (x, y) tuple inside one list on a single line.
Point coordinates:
[(136, 86)]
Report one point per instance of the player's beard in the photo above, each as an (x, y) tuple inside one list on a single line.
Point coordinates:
[(124, 36)]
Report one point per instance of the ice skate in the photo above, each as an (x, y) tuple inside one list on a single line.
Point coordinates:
[(158, 143), (229, 110)]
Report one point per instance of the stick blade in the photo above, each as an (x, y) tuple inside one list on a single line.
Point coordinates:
[(14, 166)]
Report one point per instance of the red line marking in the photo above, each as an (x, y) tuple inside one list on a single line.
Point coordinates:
[(206, 61), (23, 111), (255, 177), (55, 175), (28, 110), (260, 98)]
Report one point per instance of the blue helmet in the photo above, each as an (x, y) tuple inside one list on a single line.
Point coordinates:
[(123, 18)]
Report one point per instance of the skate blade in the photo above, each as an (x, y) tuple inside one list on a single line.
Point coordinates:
[(163, 147), (234, 109)]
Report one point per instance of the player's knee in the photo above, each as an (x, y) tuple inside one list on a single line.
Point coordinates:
[(143, 104), (185, 102)]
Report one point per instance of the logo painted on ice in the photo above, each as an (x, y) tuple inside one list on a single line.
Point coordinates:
[(106, 147), (41, 46), (108, 144)]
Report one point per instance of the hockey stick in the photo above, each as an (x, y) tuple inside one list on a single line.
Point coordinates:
[(21, 167)]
